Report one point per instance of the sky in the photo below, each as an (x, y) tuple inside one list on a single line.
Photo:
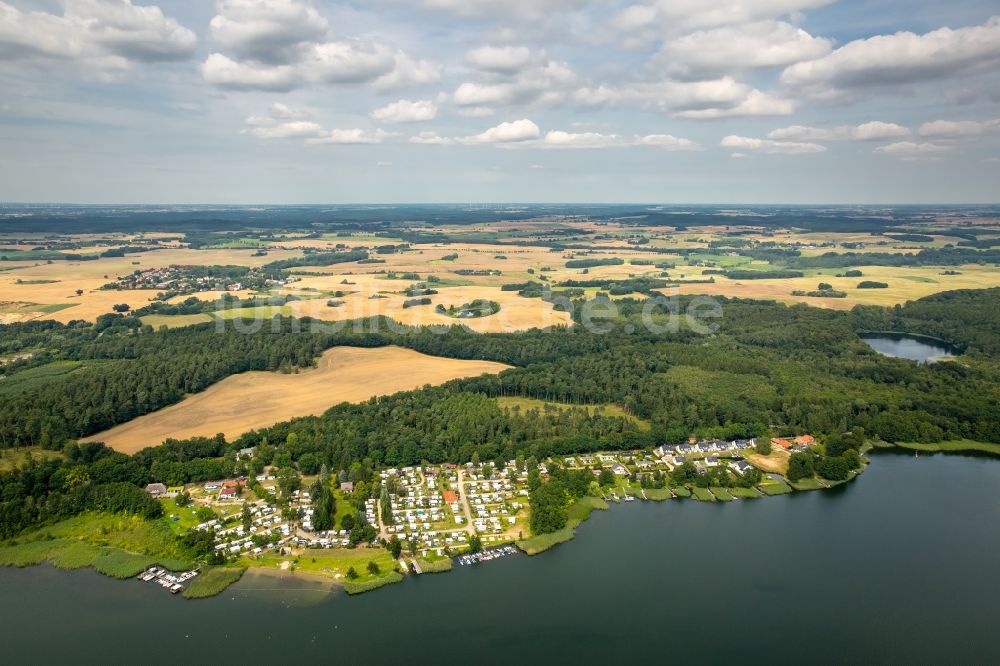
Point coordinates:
[(423, 101)]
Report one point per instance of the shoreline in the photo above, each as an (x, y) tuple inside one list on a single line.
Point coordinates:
[(71, 553)]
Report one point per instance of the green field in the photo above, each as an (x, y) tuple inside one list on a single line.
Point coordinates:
[(175, 321), (19, 457), (744, 493), (681, 491), (31, 378), (526, 404), (259, 312)]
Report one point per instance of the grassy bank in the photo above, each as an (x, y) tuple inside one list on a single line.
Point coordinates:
[(951, 446), (439, 565), (75, 554), (213, 581), (578, 512), (119, 546), (359, 586)]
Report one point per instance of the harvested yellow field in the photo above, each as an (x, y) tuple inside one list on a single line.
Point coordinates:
[(213, 295), (257, 399), (906, 283), (374, 296), (51, 284)]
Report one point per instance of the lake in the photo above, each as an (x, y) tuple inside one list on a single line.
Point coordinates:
[(921, 350), (898, 566)]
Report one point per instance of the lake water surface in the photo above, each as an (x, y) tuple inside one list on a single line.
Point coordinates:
[(922, 350), (900, 566)]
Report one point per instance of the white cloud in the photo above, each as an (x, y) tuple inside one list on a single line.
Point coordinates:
[(724, 50), (756, 103), (871, 131), (547, 82), (351, 136), (431, 139), (903, 57), (667, 142), (98, 34), (715, 98), (642, 23), (267, 31), (561, 139), (501, 59), (227, 73), (959, 129), (770, 146), (507, 132), (408, 71), (405, 111), (509, 10), (279, 45), (295, 129), (283, 122), (908, 150)]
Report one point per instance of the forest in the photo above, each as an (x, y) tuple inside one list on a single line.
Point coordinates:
[(766, 367)]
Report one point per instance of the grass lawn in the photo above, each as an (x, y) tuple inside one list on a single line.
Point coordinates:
[(775, 488), (722, 494), (744, 493), (186, 518), (344, 506), (808, 484), (703, 494), (955, 445), (334, 563), (681, 491), (657, 494)]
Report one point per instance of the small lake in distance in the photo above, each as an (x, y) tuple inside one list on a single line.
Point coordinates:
[(921, 350)]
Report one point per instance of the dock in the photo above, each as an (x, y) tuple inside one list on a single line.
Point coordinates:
[(487, 555)]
